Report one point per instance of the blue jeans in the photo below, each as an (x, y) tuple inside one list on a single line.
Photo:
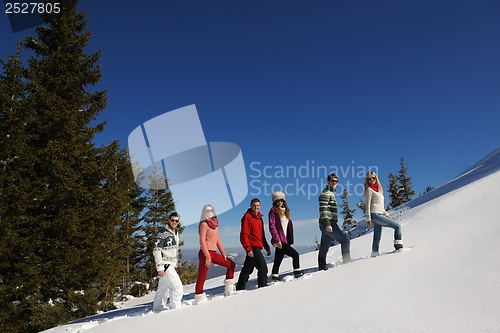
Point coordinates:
[(326, 240), (380, 221)]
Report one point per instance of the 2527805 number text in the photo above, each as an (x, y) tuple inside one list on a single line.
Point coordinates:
[(32, 8)]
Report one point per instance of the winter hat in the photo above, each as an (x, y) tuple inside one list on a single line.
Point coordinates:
[(278, 195)]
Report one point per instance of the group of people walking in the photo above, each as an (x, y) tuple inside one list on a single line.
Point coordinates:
[(253, 240)]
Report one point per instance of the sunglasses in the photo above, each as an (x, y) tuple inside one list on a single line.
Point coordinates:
[(334, 180), (371, 178), (280, 200), (209, 211), (175, 221)]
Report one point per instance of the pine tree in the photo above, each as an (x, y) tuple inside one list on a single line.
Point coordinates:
[(129, 204), (400, 187), (113, 193), (159, 205), (189, 271), (14, 191), (348, 213), (135, 277), (362, 205), (406, 191), (60, 208), (394, 192), (129, 234), (317, 244), (427, 190)]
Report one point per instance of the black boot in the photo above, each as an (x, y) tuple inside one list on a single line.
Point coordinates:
[(275, 278), (297, 274), (322, 264), (398, 244)]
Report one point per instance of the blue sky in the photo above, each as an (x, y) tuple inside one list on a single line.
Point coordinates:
[(339, 84)]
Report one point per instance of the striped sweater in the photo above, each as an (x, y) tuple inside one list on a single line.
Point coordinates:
[(328, 214)]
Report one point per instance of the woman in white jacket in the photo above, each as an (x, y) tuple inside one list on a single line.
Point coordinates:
[(376, 214), (166, 253)]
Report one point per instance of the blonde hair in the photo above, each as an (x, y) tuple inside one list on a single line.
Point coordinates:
[(203, 217), (377, 181)]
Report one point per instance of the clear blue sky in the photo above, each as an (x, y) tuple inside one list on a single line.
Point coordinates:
[(346, 84)]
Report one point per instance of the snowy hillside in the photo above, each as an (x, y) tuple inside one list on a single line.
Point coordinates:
[(446, 280)]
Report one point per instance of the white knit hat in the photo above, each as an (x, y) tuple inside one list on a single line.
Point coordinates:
[(278, 195)]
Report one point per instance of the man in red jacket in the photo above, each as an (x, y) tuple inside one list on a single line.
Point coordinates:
[(253, 239)]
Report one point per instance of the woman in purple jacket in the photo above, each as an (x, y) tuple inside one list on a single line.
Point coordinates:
[(281, 228)]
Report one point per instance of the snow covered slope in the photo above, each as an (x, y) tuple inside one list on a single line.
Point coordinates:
[(486, 166), (447, 281)]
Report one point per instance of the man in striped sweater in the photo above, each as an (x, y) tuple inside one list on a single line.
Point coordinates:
[(328, 218)]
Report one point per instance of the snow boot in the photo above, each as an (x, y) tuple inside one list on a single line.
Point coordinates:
[(297, 273), (200, 298), (175, 304), (398, 244), (322, 264), (375, 254), (230, 289), (275, 278)]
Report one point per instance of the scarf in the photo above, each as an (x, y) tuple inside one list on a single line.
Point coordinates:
[(213, 223), (280, 210), (374, 187)]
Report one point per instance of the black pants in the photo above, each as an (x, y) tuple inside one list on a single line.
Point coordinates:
[(279, 254), (258, 262)]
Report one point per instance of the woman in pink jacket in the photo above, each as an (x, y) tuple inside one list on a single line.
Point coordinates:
[(281, 228), (209, 242)]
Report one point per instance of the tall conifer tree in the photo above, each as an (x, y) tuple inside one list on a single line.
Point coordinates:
[(125, 204), (347, 212), (394, 192), (159, 205), (189, 271), (129, 232), (400, 187), (59, 211), (406, 190), (362, 205)]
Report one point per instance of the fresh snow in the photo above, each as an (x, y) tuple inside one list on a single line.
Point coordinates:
[(446, 280)]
